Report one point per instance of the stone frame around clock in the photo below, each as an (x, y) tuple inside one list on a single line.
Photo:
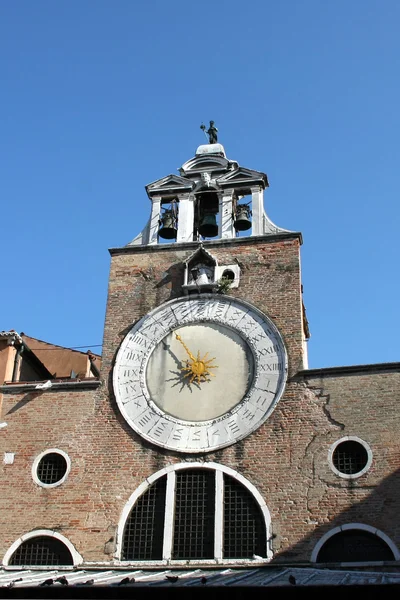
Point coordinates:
[(154, 425)]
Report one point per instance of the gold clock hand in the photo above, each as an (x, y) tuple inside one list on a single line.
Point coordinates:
[(199, 368), (178, 337)]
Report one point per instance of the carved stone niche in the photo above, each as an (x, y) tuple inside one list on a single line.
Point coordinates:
[(203, 274)]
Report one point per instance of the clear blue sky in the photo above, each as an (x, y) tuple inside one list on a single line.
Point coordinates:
[(100, 97)]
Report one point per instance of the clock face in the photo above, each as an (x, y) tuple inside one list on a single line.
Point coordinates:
[(198, 374), (219, 385)]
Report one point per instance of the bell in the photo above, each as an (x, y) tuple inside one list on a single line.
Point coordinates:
[(208, 226), (242, 218), (168, 226)]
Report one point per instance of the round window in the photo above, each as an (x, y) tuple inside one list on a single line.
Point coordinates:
[(350, 457), (51, 468)]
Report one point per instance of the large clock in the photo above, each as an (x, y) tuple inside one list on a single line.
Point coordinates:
[(198, 374)]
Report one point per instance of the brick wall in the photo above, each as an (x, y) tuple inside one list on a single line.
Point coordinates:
[(363, 403), (286, 458), (143, 278)]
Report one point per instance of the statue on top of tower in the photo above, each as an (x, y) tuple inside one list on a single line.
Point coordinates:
[(211, 132)]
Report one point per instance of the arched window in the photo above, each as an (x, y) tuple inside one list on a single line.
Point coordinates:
[(354, 543), (40, 551), (40, 548), (197, 511)]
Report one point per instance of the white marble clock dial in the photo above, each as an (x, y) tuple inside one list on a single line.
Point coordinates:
[(198, 374)]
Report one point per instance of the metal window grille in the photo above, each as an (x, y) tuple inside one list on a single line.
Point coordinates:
[(244, 528), (42, 551), (51, 468), (354, 545), (350, 457), (144, 529), (194, 514)]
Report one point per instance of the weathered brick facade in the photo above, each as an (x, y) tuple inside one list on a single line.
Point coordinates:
[(286, 459)]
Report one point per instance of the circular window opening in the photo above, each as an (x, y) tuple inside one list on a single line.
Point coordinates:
[(350, 457), (52, 468), (228, 274)]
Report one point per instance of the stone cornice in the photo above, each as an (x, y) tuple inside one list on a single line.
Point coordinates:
[(30, 386), (348, 370), (174, 247)]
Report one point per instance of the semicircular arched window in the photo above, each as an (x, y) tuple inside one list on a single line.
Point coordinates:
[(195, 514), (354, 545), (41, 551)]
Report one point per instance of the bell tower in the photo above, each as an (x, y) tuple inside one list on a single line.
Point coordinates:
[(216, 206), (205, 330), (209, 233), (212, 198)]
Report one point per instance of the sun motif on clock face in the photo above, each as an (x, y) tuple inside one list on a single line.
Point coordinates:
[(198, 369)]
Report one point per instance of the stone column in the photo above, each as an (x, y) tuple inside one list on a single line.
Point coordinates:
[(185, 218), (225, 226), (154, 223), (257, 208)]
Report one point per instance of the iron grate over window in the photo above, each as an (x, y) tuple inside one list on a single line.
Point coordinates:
[(354, 545), (244, 529), (41, 551), (143, 534), (51, 468), (350, 457), (194, 514), (176, 518)]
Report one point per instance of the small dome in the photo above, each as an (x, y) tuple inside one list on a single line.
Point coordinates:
[(211, 149)]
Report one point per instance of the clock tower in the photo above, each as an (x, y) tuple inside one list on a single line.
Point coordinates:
[(205, 328), (207, 441), (205, 317)]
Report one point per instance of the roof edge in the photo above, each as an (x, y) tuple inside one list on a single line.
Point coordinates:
[(30, 386), (55, 346), (348, 370)]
